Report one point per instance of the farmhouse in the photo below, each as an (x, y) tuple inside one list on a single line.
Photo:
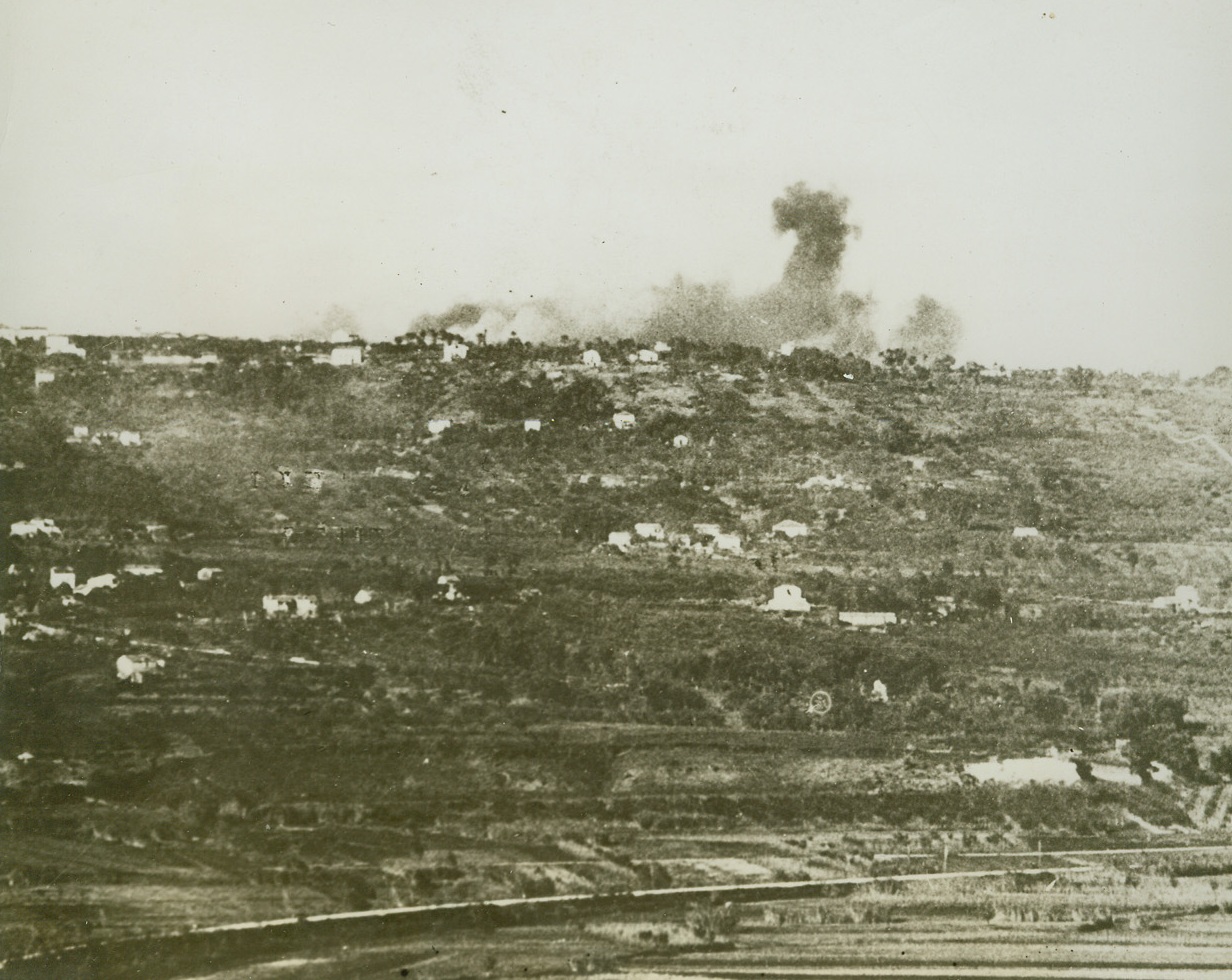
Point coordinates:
[(142, 571), (591, 358), (680, 442), (437, 426), (532, 425), (1185, 599), (868, 619), (788, 598), (134, 669), (128, 438), (651, 531), (33, 527), (791, 529), (454, 351), (648, 356), (316, 479), (620, 539), (59, 344), (1026, 532), (61, 576), (299, 606), (661, 348), (208, 574), (346, 356), (787, 348), (42, 377), (624, 420), (730, 543)]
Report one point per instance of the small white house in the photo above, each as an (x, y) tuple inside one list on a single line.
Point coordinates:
[(1026, 532), (437, 426), (620, 539), (34, 527), (591, 358), (42, 377), (680, 442), (650, 531), (454, 351), (316, 479), (299, 606), (364, 596), (208, 574), (788, 598), (645, 356), (134, 669), (59, 344), (661, 348), (61, 576), (1185, 599), (868, 619), (81, 432), (791, 529), (532, 425), (143, 571), (881, 692), (346, 356), (730, 543), (787, 348), (129, 438), (624, 420)]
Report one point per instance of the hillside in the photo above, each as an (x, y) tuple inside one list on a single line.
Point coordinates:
[(561, 698)]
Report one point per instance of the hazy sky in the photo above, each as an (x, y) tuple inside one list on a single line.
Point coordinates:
[(1060, 174)]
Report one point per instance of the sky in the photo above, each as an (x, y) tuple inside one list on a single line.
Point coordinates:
[(1058, 173)]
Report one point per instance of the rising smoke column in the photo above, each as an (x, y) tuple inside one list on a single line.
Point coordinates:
[(931, 331), (819, 220), (806, 304)]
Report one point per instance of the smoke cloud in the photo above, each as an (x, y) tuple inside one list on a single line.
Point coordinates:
[(804, 307), (931, 331)]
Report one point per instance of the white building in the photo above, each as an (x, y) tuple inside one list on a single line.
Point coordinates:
[(43, 377), (648, 356), (680, 442), (299, 606), (60, 576), (620, 539), (531, 425), (787, 348), (788, 598), (650, 531), (316, 480), (128, 438), (591, 358), (143, 571), (624, 420), (661, 348), (730, 543), (437, 426), (208, 574), (791, 529), (1185, 599), (346, 356), (868, 619), (34, 527), (454, 351), (364, 596), (1026, 532), (134, 669), (59, 344)]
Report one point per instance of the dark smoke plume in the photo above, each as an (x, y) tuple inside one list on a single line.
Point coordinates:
[(804, 306), (931, 331), (819, 220)]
